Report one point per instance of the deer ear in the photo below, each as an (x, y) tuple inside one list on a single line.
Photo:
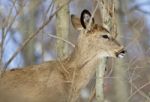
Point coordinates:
[(85, 18), (76, 22)]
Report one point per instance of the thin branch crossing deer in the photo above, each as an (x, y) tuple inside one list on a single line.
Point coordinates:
[(61, 81)]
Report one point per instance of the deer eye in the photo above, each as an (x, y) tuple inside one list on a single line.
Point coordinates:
[(105, 36)]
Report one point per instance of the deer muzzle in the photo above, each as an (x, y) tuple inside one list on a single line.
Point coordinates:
[(121, 53)]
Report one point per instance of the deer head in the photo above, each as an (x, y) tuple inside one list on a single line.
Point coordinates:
[(96, 40)]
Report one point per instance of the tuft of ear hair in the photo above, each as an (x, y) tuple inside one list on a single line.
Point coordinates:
[(85, 18)]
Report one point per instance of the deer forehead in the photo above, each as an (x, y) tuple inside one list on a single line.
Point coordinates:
[(96, 29)]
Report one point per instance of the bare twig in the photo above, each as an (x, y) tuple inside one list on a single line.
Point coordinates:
[(137, 91), (2, 43), (2, 50), (51, 6), (56, 37), (9, 14), (90, 22), (12, 21), (141, 92), (4, 33)]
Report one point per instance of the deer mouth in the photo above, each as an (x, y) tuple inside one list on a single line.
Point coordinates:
[(121, 53)]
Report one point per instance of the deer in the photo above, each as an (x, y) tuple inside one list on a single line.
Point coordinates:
[(56, 81)]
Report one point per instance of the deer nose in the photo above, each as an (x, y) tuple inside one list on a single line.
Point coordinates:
[(121, 53)]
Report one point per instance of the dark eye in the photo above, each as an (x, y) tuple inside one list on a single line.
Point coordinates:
[(105, 36)]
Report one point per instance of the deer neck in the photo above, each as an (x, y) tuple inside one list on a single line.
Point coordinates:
[(81, 67), (78, 58), (82, 58)]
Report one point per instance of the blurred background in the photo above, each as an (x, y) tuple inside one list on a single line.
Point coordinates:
[(21, 18)]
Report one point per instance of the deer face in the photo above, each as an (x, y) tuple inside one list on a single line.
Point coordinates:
[(97, 40)]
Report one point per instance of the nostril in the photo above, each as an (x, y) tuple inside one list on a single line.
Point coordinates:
[(123, 51)]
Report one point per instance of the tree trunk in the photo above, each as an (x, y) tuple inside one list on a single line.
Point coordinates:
[(120, 83), (100, 81), (62, 28)]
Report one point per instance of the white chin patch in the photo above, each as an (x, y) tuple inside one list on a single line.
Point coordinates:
[(121, 55)]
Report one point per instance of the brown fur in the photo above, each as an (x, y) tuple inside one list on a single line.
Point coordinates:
[(60, 81)]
